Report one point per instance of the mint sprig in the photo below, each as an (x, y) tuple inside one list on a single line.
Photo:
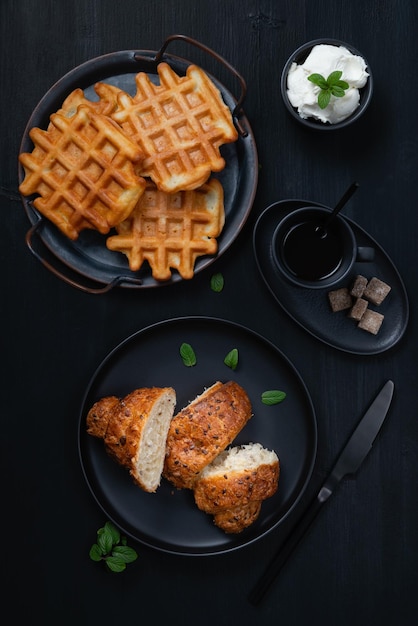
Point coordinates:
[(112, 548), (331, 86)]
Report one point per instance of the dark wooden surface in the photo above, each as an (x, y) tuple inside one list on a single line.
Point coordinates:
[(359, 562)]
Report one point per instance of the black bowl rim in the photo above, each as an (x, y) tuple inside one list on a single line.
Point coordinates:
[(365, 93)]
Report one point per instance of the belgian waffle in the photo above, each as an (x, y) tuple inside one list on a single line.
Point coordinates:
[(82, 167), (171, 230), (179, 124), (105, 105)]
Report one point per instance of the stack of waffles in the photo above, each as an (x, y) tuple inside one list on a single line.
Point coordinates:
[(137, 168)]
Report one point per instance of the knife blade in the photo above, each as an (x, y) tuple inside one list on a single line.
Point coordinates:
[(348, 462)]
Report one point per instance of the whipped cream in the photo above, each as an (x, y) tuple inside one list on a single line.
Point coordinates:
[(324, 59)]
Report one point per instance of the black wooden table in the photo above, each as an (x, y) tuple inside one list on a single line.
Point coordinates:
[(358, 563)]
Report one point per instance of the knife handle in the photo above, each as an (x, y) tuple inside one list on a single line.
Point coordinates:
[(290, 543)]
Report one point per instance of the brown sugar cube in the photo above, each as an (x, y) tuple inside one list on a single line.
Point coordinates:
[(376, 291), (358, 309), (358, 287), (371, 321), (340, 299)]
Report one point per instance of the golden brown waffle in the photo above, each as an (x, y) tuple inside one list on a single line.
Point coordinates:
[(82, 167), (179, 124), (171, 230), (105, 105)]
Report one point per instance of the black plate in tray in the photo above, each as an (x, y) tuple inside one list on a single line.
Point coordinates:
[(87, 261), (168, 519), (310, 307)]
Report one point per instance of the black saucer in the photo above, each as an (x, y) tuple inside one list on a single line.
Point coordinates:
[(310, 307)]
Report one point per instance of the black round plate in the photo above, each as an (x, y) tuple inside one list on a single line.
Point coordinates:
[(88, 256), (310, 307), (168, 519)]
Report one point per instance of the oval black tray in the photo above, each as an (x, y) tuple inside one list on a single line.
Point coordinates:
[(310, 307)]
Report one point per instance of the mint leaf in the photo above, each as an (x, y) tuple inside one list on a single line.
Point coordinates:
[(336, 91), (342, 84), (231, 359), (217, 282), (272, 397), (319, 80), (125, 554), (113, 532), (104, 540), (334, 77), (115, 564), (95, 553), (187, 354), (323, 99)]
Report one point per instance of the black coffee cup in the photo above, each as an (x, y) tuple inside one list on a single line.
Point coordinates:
[(315, 255)]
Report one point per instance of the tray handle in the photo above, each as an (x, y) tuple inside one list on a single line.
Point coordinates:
[(66, 278), (237, 111)]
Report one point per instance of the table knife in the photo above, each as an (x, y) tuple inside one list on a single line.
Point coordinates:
[(348, 462)]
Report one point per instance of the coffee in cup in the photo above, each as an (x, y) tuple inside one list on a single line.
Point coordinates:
[(311, 253)]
